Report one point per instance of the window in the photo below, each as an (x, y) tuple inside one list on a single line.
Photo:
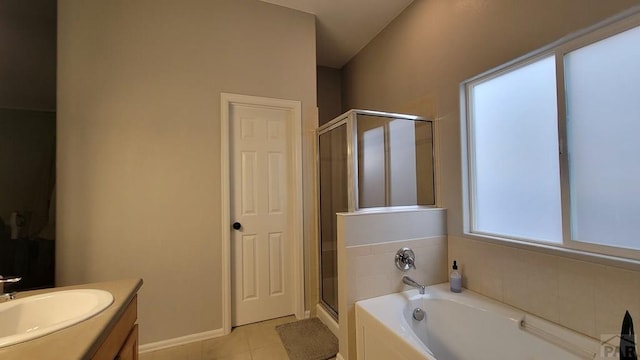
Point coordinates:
[(515, 132), (552, 145), (603, 138)]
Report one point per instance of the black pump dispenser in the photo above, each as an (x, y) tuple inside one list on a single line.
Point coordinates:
[(455, 279)]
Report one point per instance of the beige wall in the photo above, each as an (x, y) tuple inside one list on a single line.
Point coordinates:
[(139, 86), (416, 65), (329, 94)]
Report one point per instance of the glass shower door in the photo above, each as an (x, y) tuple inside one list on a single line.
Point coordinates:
[(368, 159), (333, 199)]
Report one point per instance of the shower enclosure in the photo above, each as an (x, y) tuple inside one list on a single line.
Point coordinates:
[(368, 159)]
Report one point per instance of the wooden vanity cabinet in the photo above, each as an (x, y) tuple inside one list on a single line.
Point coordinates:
[(122, 342), (129, 350)]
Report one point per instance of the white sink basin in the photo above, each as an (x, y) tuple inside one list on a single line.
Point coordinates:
[(34, 316)]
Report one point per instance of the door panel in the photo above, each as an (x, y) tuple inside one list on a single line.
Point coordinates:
[(276, 271), (249, 185), (249, 268), (260, 176)]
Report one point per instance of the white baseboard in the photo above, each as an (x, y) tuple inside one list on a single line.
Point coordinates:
[(326, 319), (182, 340)]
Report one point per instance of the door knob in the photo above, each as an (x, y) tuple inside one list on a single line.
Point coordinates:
[(236, 225)]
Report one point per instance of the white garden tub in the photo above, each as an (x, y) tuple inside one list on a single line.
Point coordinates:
[(464, 326)]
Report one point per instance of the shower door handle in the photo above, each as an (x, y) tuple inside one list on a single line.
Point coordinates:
[(236, 226)]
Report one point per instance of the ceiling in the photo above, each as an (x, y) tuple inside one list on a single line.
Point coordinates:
[(344, 27)]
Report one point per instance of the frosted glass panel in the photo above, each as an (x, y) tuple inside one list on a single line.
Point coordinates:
[(395, 162), (372, 164), (603, 109), (402, 162), (514, 142)]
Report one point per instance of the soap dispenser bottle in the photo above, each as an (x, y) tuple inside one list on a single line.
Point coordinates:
[(455, 279)]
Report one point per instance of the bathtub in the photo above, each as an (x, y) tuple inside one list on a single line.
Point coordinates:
[(462, 326)]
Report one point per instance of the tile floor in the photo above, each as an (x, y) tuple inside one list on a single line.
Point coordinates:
[(259, 341)]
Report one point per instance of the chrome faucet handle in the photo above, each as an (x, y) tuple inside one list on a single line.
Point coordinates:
[(9, 279), (8, 296), (405, 259)]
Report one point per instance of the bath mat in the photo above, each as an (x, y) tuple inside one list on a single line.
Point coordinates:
[(308, 339)]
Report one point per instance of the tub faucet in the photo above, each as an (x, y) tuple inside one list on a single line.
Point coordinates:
[(409, 281), (6, 280)]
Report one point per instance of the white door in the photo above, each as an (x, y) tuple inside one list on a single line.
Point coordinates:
[(261, 175)]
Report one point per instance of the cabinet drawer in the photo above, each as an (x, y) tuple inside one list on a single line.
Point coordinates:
[(121, 334)]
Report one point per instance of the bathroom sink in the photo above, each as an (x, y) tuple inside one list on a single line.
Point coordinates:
[(38, 315)]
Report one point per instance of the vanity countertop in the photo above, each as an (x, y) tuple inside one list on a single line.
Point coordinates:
[(79, 341)]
